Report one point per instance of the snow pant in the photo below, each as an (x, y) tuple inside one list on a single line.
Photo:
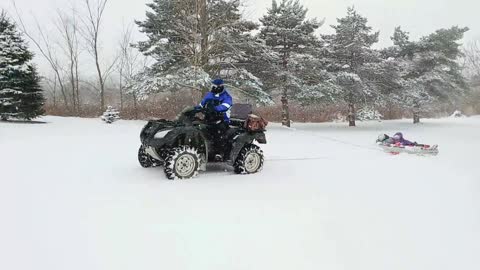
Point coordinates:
[(218, 133)]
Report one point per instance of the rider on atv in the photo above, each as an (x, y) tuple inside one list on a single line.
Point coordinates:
[(220, 102), (184, 146), (220, 99)]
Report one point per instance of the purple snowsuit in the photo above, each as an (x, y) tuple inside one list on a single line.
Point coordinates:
[(402, 141)]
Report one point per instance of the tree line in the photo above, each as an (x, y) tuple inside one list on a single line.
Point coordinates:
[(193, 41), (280, 59)]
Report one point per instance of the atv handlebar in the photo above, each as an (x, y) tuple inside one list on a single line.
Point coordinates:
[(188, 115)]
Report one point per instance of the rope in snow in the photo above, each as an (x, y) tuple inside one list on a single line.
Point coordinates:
[(297, 159), (339, 141), (324, 157), (349, 143)]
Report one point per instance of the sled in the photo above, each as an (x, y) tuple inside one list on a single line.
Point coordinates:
[(418, 150)]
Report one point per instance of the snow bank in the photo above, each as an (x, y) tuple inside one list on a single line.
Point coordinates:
[(72, 196)]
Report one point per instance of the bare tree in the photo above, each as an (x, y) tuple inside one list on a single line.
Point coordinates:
[(131, 62), (68, 27), (472, 59), (471, 67), (51, 88), (124, 60), (91, 33), (47, 50), (204, 27)]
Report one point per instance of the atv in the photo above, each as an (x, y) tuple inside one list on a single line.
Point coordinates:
[(184, 146)]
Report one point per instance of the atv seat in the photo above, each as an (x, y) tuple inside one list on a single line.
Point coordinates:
[(239, 114), (241, 111)]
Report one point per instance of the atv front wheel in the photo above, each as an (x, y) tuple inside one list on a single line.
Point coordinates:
[(250, 160), (182, 163), (143, 158)]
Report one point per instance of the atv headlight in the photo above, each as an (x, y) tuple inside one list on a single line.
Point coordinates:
[(161, 134)]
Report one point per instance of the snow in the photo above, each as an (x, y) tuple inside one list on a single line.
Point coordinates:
[(72, 196)]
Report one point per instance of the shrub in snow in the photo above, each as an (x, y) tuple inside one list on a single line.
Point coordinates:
[(457, 114), (339, 117), (368, 113), (110, 115)]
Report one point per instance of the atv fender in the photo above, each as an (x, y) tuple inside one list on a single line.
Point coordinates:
[(260, 137), (243, 139), (184, 136)]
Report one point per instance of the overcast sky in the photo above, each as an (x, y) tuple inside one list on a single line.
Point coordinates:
[(419, 17)]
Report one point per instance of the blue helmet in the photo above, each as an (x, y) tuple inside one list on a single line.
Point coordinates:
[(218, 82)]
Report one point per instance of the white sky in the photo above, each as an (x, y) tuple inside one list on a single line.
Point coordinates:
[(419, 17)]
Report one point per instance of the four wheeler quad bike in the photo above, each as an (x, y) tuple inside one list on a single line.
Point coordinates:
[(184, 146)]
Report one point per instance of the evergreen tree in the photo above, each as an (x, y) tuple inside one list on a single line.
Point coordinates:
[(382, 79), (429, 69), (315, 83), (350, 50), (194, 41), (286, 30), (351, 44), (20, 92), (402, 46)]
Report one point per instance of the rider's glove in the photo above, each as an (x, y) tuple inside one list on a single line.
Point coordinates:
[(198, 108)]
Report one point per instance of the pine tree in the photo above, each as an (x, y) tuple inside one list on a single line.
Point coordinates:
[(194, 41), (350, 49), (20, 92), (315, 83), (381, 79), (287, 31), (429, 69), (351, 44)]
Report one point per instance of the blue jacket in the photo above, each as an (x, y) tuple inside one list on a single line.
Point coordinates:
[(223, 99)]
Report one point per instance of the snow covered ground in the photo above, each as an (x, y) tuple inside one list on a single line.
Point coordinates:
[(72, 196)]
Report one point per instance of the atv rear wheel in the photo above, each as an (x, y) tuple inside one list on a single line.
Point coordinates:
[(250, 160), (182, 163), (143, 158)]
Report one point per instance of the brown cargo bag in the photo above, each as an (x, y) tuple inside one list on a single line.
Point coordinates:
[(255, 123)]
